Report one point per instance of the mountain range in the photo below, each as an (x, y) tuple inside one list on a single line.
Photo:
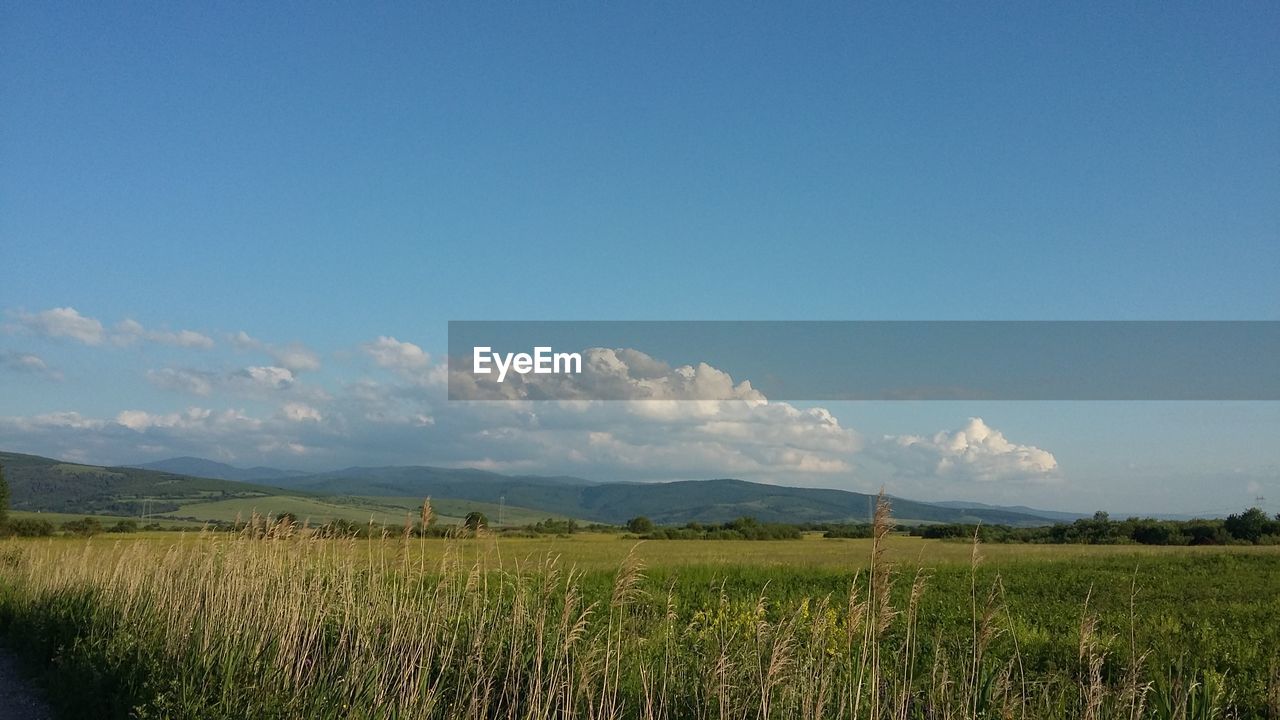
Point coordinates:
[(200, 467), (187, 487)]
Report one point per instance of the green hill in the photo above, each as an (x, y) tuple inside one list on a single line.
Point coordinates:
[(388, 493), (44, 484), (667, 502)]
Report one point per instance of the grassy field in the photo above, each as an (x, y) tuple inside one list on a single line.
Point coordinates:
[(316, 511), (382, 510), (58, 518), (457, 509), (598, 626)]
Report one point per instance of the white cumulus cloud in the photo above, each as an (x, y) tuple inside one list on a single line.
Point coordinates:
[(62, 322), (976, 452), (406, 360)]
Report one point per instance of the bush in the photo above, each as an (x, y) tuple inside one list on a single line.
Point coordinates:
[(85, 527), (551, 526), (475, 520), (744, 528), (28, 528), (639, 525)]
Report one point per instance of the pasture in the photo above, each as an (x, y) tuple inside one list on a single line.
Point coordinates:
[(602, 626)]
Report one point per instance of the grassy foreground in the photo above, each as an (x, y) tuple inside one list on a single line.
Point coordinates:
[(220, 626)]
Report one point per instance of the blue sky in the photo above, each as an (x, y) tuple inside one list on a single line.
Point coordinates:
[(321, 177)]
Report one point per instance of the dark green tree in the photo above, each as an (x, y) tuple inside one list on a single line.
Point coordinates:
[(1250, 525), (85, 527), (475, 520), (639, 525)]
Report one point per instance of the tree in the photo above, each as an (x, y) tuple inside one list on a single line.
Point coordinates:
[(4, 499), (1250, 525), (475, 520), (85, 527), (639, 525)]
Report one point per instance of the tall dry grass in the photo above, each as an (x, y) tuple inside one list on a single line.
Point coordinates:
[(277, 623)]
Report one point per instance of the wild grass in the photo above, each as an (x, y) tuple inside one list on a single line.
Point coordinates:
[(288, 626)]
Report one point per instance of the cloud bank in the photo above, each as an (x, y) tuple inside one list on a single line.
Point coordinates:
[(385, 403)]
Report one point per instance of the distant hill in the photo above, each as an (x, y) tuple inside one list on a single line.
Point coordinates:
[(1051, 514), (200, 467), (666, 502), (50, 485), (45, 484)]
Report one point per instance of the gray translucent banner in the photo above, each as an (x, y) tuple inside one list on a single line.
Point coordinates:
[(864, 360)]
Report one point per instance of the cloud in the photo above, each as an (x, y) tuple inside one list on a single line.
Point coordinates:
[(296, 358), (609, 374), (266, 377), (67, 322), (129, 331), (243, 341), (976, 452), (196, 382), (402, 420), (389, 352), (300, 412), (72, 420), (62, 322), (695, 421), (28, 363), (406, 360), (270, 383), (192, 419)]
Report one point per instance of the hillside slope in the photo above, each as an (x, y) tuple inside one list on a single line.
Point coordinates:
[(45, 484), (54, 486), (200, 467), (668, 502)]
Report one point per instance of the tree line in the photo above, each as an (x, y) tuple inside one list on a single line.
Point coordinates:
[(1250, 527)]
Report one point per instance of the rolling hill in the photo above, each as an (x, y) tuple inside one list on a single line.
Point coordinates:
[(45, 484), (200, 467), (664, 502), (53, 487), (1055, 515), (388, 493)]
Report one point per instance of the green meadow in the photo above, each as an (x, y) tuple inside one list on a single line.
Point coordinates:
[(597, 625)]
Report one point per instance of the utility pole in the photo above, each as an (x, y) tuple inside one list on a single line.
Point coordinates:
[(502, 507)]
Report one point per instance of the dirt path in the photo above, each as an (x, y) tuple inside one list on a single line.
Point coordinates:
[(18, 699)]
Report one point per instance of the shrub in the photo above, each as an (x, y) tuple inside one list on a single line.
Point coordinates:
[(28, 528), (85, 527)]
